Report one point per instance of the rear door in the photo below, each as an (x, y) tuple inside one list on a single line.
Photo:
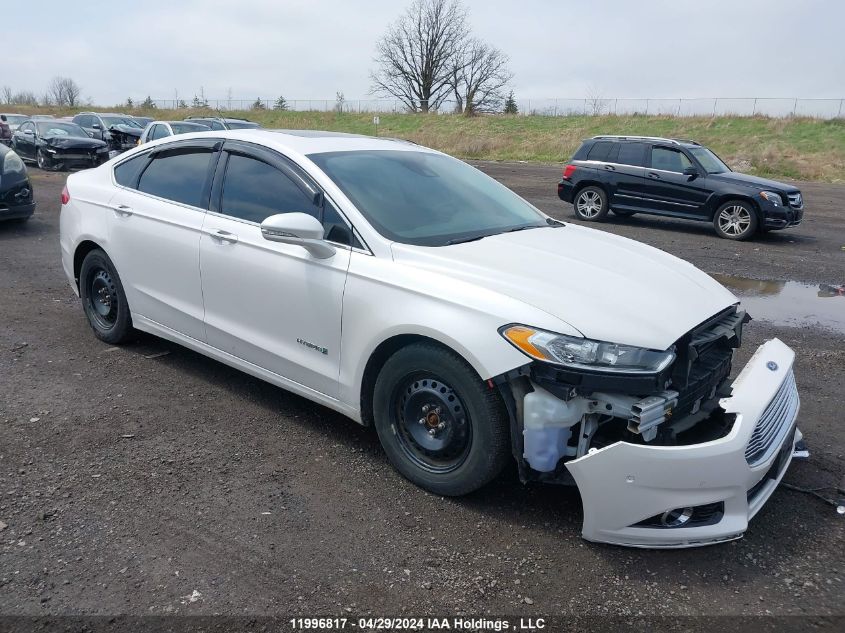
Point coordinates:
[(271, 304), (157, 216), (668, 189), (625, 173)]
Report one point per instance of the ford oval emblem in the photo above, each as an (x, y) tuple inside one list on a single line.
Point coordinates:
[(772, 365)]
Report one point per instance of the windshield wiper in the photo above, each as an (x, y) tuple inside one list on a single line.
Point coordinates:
[(464, 240)]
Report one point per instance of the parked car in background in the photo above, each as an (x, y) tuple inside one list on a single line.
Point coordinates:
[(39, 117), (5, 131), (674, 178), (143, 121), (120, 131), (14, 119), (162, 129), (58, 145), (223, 123), (17, 201), (581, 355)]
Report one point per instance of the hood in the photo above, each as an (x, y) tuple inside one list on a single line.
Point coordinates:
[(126, 129), (72, 142), (752, 181), (607, 287)]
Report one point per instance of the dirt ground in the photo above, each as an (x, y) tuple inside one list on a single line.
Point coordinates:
[(138, 483)]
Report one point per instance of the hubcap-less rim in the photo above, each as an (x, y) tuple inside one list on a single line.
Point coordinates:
[(589, 204), (432, 424), (734, 220), (40, 159), (102, 298)]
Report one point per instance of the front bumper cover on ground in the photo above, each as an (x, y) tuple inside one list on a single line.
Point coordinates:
[(624, 484)]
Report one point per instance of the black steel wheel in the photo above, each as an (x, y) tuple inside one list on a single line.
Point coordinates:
[(441, 426), (103, 298), (42, 160)]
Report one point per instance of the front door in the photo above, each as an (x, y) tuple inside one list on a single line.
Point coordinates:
[(271, 304), (671, 191)]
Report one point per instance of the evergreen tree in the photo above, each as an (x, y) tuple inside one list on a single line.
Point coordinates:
[(510, 104)]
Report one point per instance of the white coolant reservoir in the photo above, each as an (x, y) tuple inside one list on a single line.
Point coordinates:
[(548, 423)]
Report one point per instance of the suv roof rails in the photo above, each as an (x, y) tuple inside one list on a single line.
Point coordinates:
[(646, 138)]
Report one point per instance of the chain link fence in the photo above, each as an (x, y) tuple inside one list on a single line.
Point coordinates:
[(709, 106)]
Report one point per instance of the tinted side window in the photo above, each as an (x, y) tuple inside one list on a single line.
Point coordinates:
[(336, 229), (632, 154), (126, 174), (159, 131), (254, 190), (177, 175), (600, 150), (669, 159)]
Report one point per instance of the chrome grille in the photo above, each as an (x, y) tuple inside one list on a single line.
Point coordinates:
[(795, 200), (774, 423)]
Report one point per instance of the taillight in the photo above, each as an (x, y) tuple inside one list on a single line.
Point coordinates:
[(568, 171), (65, 195)]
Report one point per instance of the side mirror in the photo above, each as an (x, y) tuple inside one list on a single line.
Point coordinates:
[(691, 171), (298, 229), (96, 126), (28, 132)]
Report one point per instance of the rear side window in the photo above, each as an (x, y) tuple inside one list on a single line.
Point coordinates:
[(632, 154), (178, 175), (126, 174), (600, 150), (254, 190)]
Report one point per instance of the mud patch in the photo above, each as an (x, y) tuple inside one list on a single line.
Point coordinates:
[(790, 303)]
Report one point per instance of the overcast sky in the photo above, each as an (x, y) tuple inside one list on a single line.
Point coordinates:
[(311, 49)]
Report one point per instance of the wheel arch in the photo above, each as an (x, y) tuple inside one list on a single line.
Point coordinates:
[(721, 199), (590, 182), (379, 356), (79, 254)]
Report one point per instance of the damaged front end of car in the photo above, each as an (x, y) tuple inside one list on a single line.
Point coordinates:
[(121, 138), (667, 452)]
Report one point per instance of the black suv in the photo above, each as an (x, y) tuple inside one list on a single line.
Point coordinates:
[(676, 178)]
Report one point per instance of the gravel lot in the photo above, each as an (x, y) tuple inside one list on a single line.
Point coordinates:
[(141, 483)]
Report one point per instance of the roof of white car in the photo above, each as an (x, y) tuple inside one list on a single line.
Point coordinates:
[(315, 141)]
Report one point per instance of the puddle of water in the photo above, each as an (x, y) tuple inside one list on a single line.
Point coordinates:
[(789, 303)]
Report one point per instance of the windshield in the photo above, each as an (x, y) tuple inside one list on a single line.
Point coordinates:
[(426, 199), (119, 120), (241, 125), (55, 128), (712, 164)]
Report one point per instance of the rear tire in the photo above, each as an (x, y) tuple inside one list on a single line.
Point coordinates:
[(591, 204), (103, 299), (440, 424), (735, 220)]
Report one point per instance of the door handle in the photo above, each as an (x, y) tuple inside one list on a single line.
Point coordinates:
[(610, 168), (651, 174), (219, 235), (124, 210)]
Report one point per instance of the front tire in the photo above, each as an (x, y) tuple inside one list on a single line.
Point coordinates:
[(103, 299), (43, 161), (441, 426), (735, 220), (591, 204)]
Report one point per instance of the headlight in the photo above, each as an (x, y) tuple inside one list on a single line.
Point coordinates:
[(772, 197), (12, 164), (583, 353)]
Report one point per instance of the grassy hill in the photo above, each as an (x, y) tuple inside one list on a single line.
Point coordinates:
[(800, 148)]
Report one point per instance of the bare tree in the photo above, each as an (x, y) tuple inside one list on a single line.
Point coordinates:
[(595, 103), (63, 91), (415, 57), (479, 76), (25, 97), (7, 95)]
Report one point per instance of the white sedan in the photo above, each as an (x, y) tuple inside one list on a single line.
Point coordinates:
[(411, 292)]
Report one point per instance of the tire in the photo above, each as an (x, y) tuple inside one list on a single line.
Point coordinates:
[(623, 214), (103, 299), (591, 204), (441, 426), (735, 220), (43, 161)]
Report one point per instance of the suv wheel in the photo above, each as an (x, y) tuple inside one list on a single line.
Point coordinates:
[(735, 220), (591, 204), (441, 426)]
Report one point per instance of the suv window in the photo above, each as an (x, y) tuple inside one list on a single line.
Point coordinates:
[(254, 190), (178, 175), (600, 150), (631, 154), (126, 173), (669, 159)]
